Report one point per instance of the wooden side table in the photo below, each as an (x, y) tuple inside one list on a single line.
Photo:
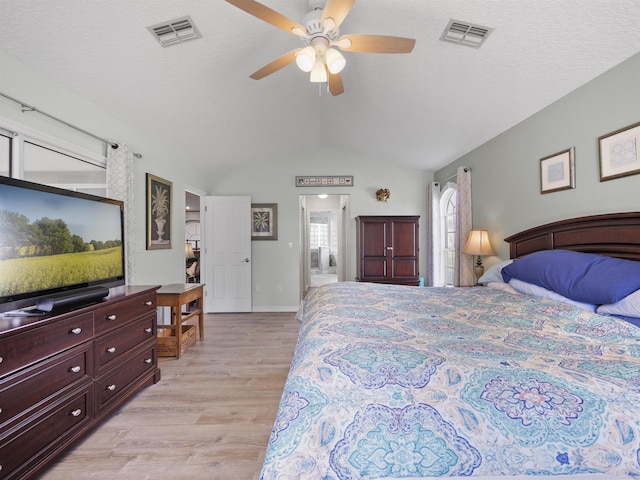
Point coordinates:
[(176, 296)]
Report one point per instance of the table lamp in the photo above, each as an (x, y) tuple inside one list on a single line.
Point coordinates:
[(478, 244)]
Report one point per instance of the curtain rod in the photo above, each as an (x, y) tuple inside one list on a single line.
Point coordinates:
[(466, 169), (29, 108)]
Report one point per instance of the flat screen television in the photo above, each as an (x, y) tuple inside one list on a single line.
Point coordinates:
[(55, 243)]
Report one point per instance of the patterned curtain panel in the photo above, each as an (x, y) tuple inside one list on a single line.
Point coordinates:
[(464, 263), (434, 252), (120, 187)]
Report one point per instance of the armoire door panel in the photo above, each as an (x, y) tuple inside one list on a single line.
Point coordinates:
[(404, 268), (374, 240), (404, 237), (375, 268)]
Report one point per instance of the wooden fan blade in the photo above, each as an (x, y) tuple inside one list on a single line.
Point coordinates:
[(268, 15), (376, 44), (276, 65), (338, 10), (335, 83)]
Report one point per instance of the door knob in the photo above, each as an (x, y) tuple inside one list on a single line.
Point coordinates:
[(246, 260)]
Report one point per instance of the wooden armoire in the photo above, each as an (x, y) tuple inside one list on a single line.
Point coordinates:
[(387, 249)]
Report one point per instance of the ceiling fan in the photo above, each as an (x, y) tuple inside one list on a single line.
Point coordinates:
[(319, 32)]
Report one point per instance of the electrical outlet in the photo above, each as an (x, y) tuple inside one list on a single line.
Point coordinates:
[(278, 288)]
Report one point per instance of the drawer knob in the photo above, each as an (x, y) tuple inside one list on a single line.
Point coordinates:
[(147, 360), (76, 412), (148, 330), (76, 331), (1, 359), (148, 303), (112, 317), (111, 350), (111, 388), (75, 369)]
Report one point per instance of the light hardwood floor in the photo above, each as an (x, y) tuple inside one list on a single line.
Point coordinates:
[(208, 418)]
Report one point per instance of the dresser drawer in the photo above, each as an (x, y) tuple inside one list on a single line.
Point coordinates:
[(113, 385), (23, 349), (29, 390), (111, 347), (21, 451), (113, 316)]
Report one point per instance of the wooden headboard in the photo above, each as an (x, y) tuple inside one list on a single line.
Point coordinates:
[(614, 234)]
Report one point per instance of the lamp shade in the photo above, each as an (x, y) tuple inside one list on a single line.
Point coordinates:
[(478, 243), (319, 72), (306, 58), (335, 61), (188, 251)]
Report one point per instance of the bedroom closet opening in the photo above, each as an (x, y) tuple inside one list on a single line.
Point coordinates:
[(323, 230)]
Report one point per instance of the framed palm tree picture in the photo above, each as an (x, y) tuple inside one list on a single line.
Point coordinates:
[(264, 221), (159, 207)]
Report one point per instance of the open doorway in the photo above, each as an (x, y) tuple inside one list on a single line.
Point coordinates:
[(323, 239), (193, 236)]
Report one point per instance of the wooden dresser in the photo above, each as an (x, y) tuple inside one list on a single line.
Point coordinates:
[(387, 249), (62, 374)]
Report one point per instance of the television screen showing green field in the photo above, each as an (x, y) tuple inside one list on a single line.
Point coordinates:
[(50, 241)]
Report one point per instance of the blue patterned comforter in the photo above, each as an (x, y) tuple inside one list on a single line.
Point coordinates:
[(392, 382)]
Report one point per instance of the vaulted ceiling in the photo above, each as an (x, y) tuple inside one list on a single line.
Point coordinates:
[(423, 109)]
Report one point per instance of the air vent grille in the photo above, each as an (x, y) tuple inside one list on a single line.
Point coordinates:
[(175, 31), (465, 33)]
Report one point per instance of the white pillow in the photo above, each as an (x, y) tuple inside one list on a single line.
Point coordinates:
[(493, 273), (536, 291), (505, 287), (629, 306)]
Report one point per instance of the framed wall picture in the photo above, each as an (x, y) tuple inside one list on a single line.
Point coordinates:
[(264, 221), (620, 153), (557, 171), (159, 206)]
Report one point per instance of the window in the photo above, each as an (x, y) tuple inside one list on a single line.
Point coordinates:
[(318, 235), (50, 162), (5, 153), (50, 166), (448, 217), (333, 225)]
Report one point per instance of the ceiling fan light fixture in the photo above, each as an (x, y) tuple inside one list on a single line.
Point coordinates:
[(318, 72), (335, 61), (306, 59)]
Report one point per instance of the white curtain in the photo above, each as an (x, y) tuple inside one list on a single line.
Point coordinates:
[(434, 252), (120, 186), (464, 263)]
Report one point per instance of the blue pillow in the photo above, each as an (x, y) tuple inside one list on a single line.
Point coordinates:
[(584, 277)]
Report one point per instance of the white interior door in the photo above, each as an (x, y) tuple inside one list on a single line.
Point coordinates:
[(228, 254)]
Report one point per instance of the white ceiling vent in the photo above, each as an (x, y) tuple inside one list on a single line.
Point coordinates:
[(175, 31), (465, 33)]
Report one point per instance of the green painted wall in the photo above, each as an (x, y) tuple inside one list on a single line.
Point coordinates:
[(506, 170)]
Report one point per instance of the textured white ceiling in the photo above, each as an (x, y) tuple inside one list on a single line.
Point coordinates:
[(424, 109)]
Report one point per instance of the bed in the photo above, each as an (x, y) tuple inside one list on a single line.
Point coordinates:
[(391, 382)]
